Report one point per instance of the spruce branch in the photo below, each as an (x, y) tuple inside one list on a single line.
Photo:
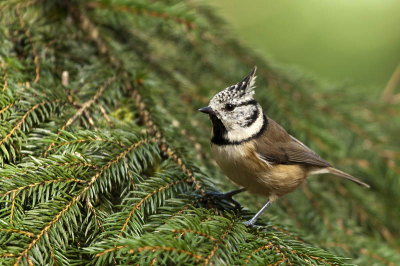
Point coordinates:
[(23, 118), (153, 249), (103, 111), (27, 120), (164, 147), (218, 243), (84, 107), (88, 26), (17, 232), (93, 210), (267, 246), (394, 80), (4, 109), (14, 191), (75, 199), (141, 11), (143, 200)]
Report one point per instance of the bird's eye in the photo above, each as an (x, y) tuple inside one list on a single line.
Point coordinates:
[(229, 107)]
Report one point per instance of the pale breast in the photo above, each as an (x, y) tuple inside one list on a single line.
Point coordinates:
[(241, 164)]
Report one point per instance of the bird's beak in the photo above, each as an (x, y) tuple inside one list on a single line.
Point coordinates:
[(207, 110)]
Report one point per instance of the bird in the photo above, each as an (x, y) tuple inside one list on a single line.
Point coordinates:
[(255, 152)]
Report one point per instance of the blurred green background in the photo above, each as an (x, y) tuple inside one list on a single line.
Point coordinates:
[(334, 40)]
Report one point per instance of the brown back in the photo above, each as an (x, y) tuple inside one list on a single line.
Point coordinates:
[(276, 146)]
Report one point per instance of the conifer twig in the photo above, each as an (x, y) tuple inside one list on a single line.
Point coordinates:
[(183, 231), (394, 80), (51, 250), (85, 106), (88, 202), (51, 165), (21, 121), (17, 232), (7, 107), (12, 207), (154, 13), (130, 175), (150, 248), (103, 111), (143, 200), (154, 130), (376, 257), (217, 243), (87, 140), (268, 246), (40, 183)]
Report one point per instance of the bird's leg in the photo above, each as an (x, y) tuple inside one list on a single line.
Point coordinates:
[(253, 220), (226, 196)]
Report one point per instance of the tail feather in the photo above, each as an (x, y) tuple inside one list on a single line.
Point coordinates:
[(347, 176)]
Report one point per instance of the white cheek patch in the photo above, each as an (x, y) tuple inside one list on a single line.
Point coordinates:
[(239, 133)]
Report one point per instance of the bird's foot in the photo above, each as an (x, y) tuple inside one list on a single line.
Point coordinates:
[(225, 196), (250, 223)]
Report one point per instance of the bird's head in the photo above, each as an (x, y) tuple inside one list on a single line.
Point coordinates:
[(234, 112)]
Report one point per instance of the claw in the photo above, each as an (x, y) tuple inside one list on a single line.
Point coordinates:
[(250, 223), (225, 196)]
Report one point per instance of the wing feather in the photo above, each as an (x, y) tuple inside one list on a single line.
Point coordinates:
[(278, 147)]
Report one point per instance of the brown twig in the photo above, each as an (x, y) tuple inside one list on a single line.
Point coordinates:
[(103, 111), (85, 106), (18, 232), (394, 80), (193, 232), (12, 207), (89, 203), (154, 130), (268, 246), (40, 183), (88, 140), (21, 121), (89, 118), (217, 243), (153, 249), (130, 175), (145, 199), (7, 107), (135, 11), (47, 166), (376, 257), (51, 250)]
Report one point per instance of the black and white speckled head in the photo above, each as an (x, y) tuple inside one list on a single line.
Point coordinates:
[(235, 115)]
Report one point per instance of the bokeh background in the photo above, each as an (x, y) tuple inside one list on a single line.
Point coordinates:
[(337, 40)]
